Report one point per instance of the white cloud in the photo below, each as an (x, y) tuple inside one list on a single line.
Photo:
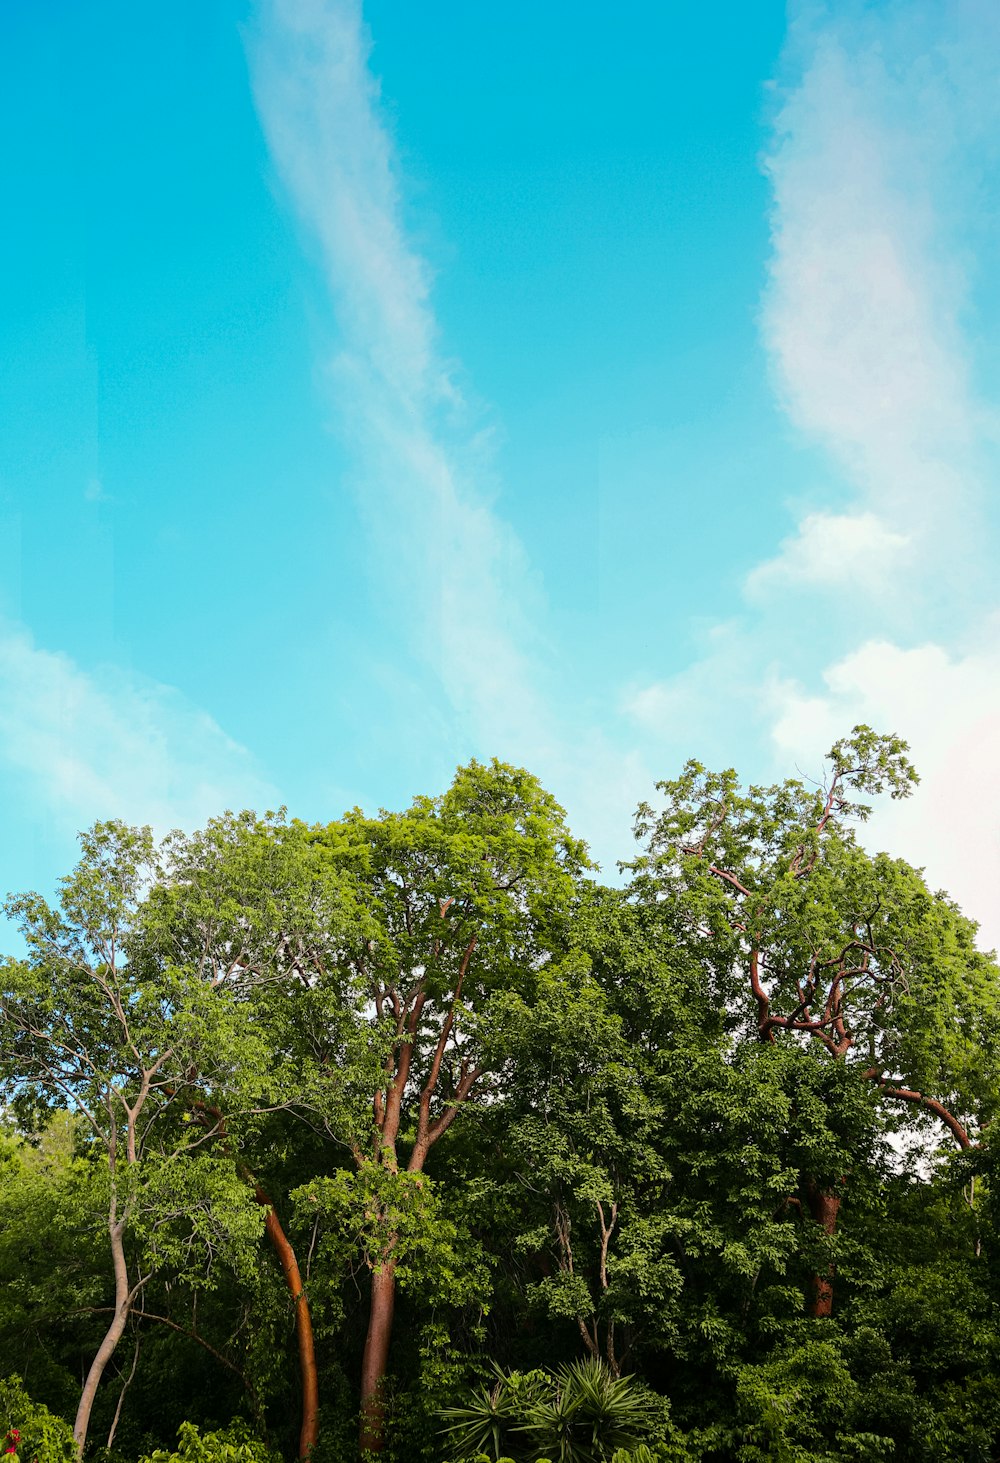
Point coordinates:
[(98, 745), (829, 549), (737, 707), (948, 706)]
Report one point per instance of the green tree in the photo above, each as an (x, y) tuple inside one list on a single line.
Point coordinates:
[(248, 910), (579, 1130), (467, 899), (29, 1429), (86, 1028), (809, 938)]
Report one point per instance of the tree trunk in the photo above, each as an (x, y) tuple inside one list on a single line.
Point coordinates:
[(376, 1358), (303, 1325), (388, 1111), (282, 1247), (123, 1304), (824, 1206)]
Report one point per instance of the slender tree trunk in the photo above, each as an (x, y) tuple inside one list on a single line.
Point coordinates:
[(121, 1395), (303, 1324), (376, 1358), (387, 1113), (124, 1297), (824, 1206)]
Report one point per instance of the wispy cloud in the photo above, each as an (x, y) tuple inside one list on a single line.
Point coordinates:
[(470, 608), (884, 610), (471, 604), (869, 274), (100, 745)]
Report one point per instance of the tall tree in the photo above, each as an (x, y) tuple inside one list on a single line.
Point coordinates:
[(467, 898), (249, 910), (811, 939), (86, 1027), (583, 1176)]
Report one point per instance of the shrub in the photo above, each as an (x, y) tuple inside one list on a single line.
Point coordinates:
[(33, 1433), (580, 1413), (234, 1444)]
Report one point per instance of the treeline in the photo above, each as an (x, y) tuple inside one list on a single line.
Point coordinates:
[(405, 1136)]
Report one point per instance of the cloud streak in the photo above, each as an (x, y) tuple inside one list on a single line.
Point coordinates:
[(469, 606), (470, 601)]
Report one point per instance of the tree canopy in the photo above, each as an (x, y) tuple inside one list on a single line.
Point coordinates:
[(405, 1135)]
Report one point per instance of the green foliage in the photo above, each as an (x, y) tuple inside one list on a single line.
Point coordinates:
[(807, 934), (491, 862), (572, 1121), (805, 1404), (674, 1450), (32, 1433), (494, 1413), (380, 1215), (234, 1444)]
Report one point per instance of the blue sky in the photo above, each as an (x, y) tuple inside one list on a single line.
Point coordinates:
[(593, 388)]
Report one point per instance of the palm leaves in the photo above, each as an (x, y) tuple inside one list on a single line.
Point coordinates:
[(580, 1413), (494, 1413)]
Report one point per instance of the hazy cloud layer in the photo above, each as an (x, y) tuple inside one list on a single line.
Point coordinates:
[(104, 745), (873, 170)]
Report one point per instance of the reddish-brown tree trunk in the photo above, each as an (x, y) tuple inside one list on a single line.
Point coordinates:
[(303, 1324), (282, 1247), (824, 1206), (388, 1113), (376, 1358)]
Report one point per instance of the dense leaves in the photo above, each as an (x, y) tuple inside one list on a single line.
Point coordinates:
[(403, 1133)]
